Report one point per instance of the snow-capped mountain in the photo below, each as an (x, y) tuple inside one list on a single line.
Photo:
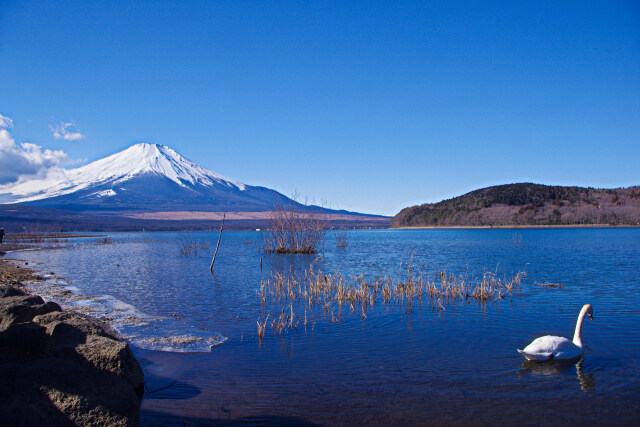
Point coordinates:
[(143, 178)]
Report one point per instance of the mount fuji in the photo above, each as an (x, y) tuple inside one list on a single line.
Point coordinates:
[(145, 181)]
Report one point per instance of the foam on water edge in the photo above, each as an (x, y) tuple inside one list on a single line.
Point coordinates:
[(171, 334)]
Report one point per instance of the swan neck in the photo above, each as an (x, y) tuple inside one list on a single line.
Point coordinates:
[(577, 336)]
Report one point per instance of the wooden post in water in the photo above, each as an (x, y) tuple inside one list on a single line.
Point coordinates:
[(218, 245)]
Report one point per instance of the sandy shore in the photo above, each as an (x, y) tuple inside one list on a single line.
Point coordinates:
[(13, 274)]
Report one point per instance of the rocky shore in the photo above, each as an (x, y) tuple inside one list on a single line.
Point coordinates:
[(59, 367)]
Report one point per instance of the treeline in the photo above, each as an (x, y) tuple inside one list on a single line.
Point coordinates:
[(528, 204)]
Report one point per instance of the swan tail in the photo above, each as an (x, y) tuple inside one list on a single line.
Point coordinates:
[(537, 357)]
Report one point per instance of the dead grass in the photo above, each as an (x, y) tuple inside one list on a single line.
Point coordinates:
[(262, 327), (188, 245), (515, 239), (342, 240), (330, 294), (551, 285)]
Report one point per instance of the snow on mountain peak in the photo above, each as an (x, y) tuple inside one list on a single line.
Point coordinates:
[(139, 159), (152, 158)]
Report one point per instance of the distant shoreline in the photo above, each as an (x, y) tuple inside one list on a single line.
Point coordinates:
[(482, 227)]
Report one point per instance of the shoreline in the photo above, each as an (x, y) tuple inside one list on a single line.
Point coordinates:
[(19, 236), (14, 242), (10, 247), (489, 227)]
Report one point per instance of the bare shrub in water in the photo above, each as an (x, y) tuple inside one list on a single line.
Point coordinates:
[(188, 245), (341, 239), (294, 229), (516, 239)]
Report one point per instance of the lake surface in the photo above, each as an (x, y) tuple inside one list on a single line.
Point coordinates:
[(195, 334)]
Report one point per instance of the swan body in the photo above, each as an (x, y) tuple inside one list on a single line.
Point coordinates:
[(550, 347)]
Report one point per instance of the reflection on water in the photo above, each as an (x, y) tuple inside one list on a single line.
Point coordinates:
[(587, 381), (561, 368), (397, 365)]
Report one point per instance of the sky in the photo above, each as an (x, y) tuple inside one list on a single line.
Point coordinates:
[(368, 106)]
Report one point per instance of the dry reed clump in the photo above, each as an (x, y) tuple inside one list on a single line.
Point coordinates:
[(342, 239), (551, 285), (57, 241), (26, 238), (294, 229), (187, 245), (516, 239), (317, 292), (36, 237), (262, 327)]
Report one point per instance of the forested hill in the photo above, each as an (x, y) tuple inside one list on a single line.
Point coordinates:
[(528, 204)]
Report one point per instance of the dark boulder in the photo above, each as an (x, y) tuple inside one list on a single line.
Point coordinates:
[(62, 368), (64, 325), (23, 338), (9, 291), (85, 339), (57, 392), (23, 308)]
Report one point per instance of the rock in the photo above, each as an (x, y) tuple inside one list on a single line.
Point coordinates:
[(9, 291), (57, 392), (23, 308), (116, 357), (23, 338), (84, 338), (63, 323), (62, 368)]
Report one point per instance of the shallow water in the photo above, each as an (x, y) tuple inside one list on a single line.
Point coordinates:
[(417, 365)]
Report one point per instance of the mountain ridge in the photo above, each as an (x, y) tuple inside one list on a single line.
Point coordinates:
[(144, 178), (149, 186), (136, 160)]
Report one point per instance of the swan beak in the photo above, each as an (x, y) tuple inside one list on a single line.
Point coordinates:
[(591, 317)]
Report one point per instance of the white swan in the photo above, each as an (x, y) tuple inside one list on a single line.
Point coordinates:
[(550, 347)]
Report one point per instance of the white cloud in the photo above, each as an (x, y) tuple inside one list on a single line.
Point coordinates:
[(26, 160), (67, 131), (5, 122)]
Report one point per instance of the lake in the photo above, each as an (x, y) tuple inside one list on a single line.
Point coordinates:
[(404, 361)]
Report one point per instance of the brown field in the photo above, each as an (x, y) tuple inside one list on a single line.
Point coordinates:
[(199, 215)]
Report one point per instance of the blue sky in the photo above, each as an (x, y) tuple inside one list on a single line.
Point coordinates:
[(372, 106)]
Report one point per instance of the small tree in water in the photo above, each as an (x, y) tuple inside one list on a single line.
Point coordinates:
[(295, 229)]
